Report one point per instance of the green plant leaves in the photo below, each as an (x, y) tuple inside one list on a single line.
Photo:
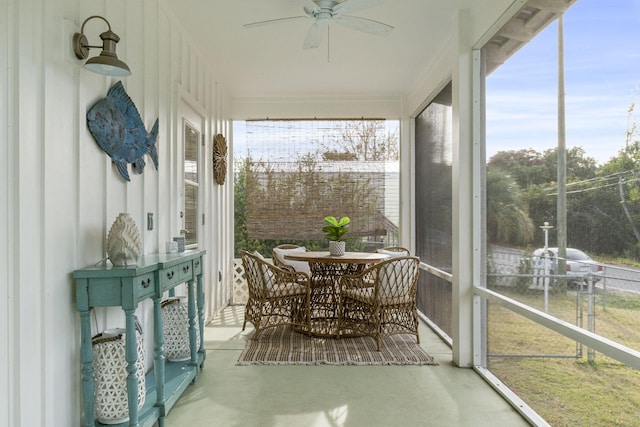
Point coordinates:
[(336, 228)]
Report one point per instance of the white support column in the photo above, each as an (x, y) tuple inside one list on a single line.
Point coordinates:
[(407, 180), (479, 212), (462, 198)]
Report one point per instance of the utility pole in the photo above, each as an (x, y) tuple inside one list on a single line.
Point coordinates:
[(562, 158)]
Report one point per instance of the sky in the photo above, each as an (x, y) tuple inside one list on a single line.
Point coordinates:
[(602, 80)]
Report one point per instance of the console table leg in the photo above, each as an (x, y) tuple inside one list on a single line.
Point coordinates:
[(158, 353), (131, 355), (201, 352), (86, 356), (192, 325)]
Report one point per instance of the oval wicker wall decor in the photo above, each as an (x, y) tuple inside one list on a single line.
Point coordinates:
[(219, 158)]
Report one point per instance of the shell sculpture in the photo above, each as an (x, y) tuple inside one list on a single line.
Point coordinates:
[(117, 127), (124, 243)]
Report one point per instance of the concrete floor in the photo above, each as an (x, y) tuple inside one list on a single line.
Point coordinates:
[(334, 396)]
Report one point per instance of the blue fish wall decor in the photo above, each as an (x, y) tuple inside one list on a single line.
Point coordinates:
[(116, 125)]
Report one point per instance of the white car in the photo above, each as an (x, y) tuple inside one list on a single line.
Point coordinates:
[(579, 265)]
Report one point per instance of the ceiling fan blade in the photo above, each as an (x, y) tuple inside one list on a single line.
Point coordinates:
[(354, 5), (366, 25), (310, 6), (274, 21), (316, 33)]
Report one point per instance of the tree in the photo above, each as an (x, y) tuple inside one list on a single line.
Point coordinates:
[(530, 167), (620, 176), (536, 174), (579, 165), (526, 166), (507, 218), (242, 241), (364, 140)]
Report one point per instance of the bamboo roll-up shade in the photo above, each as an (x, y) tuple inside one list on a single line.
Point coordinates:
[(302, 172), (285, 203)]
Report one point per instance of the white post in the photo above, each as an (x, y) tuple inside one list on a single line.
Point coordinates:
[(591, 353), (545, 228)]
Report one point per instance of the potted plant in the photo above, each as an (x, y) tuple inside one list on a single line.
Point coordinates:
[(335, 229)]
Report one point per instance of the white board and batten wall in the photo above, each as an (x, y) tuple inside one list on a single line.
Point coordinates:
[(60, 193)]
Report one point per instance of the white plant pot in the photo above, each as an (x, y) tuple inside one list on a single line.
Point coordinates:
[(336, 248)]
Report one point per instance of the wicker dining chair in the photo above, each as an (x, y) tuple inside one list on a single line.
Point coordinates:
[(276, 296), (394, 251), (381, 300), (278, 253)]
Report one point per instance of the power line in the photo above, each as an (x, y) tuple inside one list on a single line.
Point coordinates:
[(554, 190)]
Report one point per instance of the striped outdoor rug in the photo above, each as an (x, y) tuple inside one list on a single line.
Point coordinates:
[(283, 346)]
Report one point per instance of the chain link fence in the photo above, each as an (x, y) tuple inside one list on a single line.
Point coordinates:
[(604, 301)]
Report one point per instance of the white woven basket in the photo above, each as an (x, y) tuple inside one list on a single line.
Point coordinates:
[(110, 376), (175, 329)]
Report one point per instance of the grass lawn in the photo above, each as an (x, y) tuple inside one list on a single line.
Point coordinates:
[(565, 389)]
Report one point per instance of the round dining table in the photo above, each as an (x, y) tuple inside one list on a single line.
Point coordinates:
[(326, 271)]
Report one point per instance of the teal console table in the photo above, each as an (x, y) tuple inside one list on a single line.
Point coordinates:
[(125, 287)]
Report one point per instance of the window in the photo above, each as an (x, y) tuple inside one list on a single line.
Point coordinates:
[(290, 174), (191, 186)]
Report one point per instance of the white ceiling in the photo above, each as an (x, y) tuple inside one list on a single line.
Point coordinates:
[(269, 61)]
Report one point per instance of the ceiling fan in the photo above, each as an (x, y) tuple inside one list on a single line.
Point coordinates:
[(325, 11)]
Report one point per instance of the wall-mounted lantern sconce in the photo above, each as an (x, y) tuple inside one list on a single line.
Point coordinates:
[(107, 62)]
